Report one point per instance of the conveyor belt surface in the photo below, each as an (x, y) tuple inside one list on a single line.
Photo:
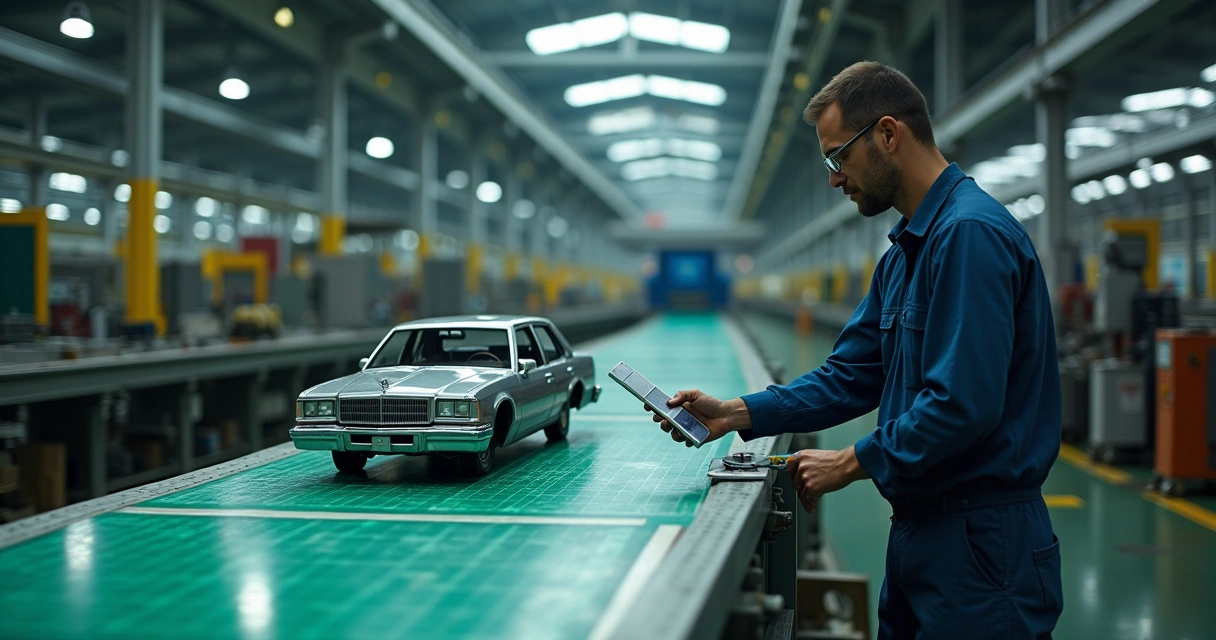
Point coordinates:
[(538, 549)]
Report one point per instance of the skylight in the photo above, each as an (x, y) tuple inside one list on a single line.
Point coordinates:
[(621, 121), (627, 150), (610, 27), (698, 124), (665, 166), (633, 86), (1169, 98)]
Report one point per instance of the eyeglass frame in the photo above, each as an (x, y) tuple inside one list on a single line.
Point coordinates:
[(830, 159)]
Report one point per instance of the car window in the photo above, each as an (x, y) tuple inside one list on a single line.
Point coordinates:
[(390, 354), (547, 344), (445, 346), (525, 347)]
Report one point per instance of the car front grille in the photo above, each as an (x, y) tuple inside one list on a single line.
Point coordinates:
[(383, 411)]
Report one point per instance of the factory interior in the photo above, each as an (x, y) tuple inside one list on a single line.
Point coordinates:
[(215, 212)]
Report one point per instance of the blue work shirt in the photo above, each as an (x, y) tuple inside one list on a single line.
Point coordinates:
[(955, 346)]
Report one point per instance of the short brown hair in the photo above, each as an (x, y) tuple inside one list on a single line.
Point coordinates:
[(867, 91)]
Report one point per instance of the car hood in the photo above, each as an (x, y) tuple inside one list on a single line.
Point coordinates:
[(410, 381)]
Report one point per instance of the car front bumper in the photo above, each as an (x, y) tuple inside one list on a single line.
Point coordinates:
[(332, 437)]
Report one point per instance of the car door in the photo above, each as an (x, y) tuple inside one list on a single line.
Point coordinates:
[(534, 396), (559, 364)]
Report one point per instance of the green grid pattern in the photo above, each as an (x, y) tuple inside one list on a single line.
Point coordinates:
[(129, 576), (606, 468), (136, 576)]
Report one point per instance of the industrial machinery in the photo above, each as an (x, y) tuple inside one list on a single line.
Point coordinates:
[(1186, 408), (1122, 388)]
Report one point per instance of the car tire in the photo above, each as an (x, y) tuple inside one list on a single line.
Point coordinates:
[(557, 431), (478, 464), (349, 461)]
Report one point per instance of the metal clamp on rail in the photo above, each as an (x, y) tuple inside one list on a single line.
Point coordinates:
[(744, 465)]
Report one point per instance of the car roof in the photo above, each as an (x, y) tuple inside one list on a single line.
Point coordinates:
[(484, 321)]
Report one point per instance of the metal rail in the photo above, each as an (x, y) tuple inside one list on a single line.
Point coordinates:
[(692, 592), (75, 378)]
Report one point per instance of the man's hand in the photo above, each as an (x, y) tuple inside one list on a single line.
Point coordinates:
[(720, 417), (816, 472)]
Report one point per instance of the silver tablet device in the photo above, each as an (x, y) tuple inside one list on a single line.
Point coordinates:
[(656, 400)]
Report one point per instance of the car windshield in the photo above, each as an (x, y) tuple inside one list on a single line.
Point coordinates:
[(448, 346)]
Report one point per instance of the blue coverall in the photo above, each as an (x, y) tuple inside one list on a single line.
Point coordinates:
[(955, 346)]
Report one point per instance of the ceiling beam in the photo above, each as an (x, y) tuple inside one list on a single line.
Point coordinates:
[(438, 34), (1103, 22), (623, 60), (747, 198)]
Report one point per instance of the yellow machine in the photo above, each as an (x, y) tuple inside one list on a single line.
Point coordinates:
[(26, 265), (216, 264)]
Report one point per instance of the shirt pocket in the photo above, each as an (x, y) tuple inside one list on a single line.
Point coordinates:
[(886, 332), (912, 344)]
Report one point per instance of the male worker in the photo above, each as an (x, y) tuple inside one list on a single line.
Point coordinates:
[(955, 346)]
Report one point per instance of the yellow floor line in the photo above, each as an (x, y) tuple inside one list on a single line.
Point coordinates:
[(1077, 458), (1064, 502), (1184, 508)]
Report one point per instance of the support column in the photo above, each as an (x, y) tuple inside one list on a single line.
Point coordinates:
[(333, 165), (512, 193), (476, 230), (426, 161), (1192, 240), (37, 172), (948, 56), (145, 51), (1055, 252)]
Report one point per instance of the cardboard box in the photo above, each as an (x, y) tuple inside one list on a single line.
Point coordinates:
[(151, 453), (43, 474)]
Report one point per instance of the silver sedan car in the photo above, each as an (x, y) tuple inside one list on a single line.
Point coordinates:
[(459, 386)]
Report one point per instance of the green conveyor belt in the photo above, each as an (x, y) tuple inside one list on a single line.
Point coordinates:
[(291, 549)]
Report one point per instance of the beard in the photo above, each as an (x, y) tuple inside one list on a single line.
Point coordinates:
[(882, 183)]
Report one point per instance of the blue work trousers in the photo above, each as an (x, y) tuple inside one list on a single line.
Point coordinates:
[(971, 569)]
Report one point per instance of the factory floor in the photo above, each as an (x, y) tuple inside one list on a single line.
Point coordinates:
[(1136, 566)]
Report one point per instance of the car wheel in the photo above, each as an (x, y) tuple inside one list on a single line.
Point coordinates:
[(349, 461), (558, 430), (478, 464)]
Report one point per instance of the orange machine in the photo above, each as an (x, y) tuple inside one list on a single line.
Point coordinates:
[(1186, 407)]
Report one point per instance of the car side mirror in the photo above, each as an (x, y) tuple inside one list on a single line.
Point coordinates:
[(526, 365), (363, 363)]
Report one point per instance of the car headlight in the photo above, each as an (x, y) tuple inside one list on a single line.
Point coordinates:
[(456, 409), (317, 409)]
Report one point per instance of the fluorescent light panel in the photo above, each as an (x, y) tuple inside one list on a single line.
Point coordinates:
[(621, 121), (633, 86), (628, 150), (610, 27), (666, 166)]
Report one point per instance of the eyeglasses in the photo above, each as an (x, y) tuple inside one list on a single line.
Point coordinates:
[(830, 160)]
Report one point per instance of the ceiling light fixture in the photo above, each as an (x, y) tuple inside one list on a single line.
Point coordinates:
[(636, 85), (621, 121), (77, 23), (1195, 164), (489, 192), (284, 17), (234, 86), (379, 147), (610, 27)]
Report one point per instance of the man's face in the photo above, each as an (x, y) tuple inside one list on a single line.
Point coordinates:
[(866, 175)]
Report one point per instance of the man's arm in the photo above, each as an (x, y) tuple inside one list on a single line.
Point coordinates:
[(848, 385), (966, 353)]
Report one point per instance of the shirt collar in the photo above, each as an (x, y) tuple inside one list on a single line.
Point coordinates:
[(930, 205)]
